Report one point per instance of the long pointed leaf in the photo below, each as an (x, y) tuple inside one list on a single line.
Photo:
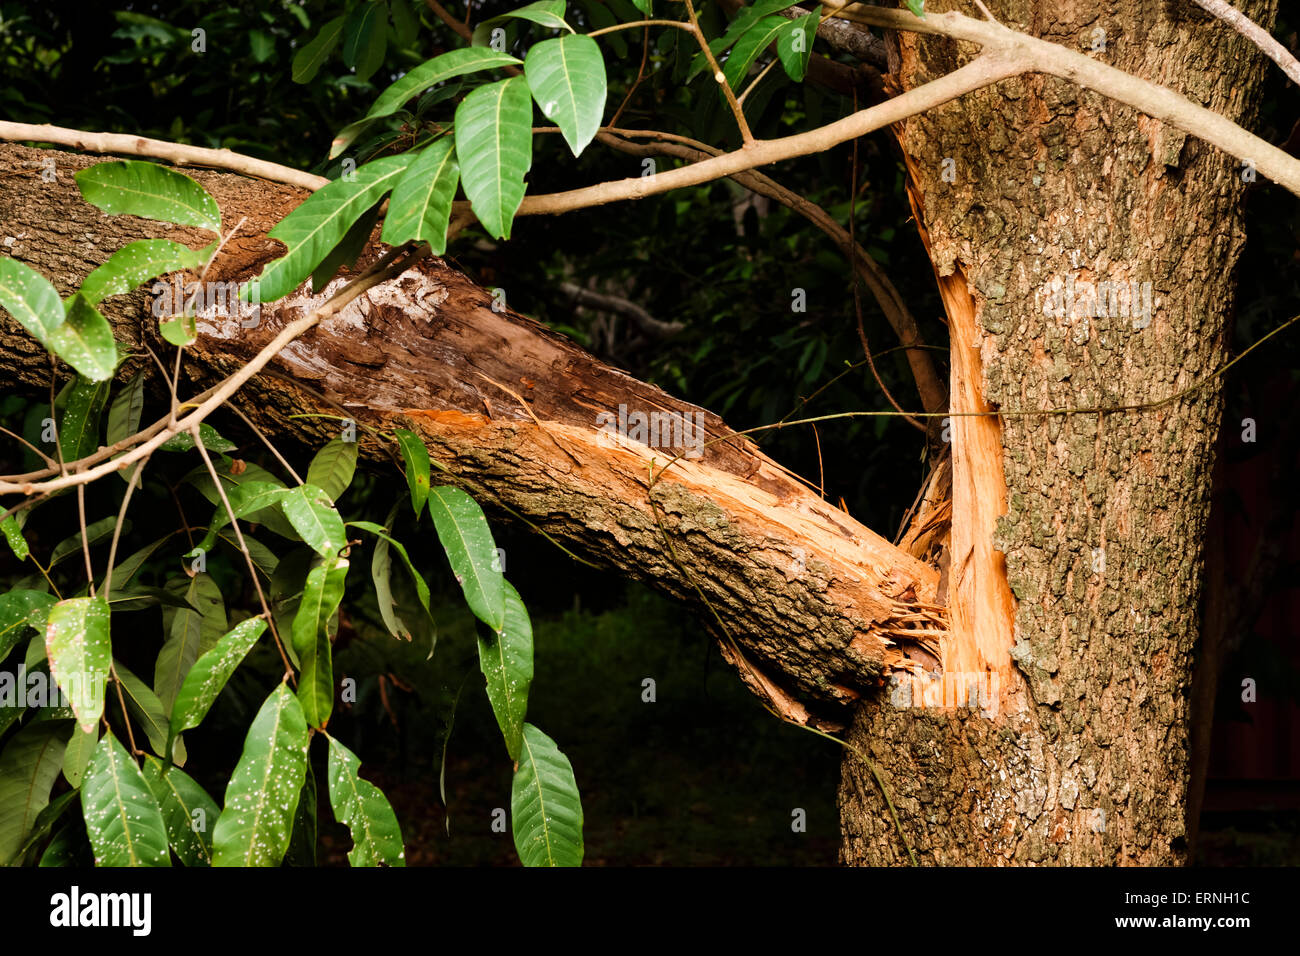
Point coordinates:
[(494, 145), (262, 796), (358, 803), (467, 539), (123, 819), (78, 647), (28, 766), (421, 205), (128, 186), (545, 809), (210, 673), (567, 78), (506, 659), (188, 813)]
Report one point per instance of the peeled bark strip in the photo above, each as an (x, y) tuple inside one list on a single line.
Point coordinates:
[(817, 604)]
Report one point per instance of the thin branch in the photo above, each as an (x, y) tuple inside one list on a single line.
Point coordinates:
[(131, 145), (46, 458), (1256, 34), (85, 540), (387, 268), (117, 528), (243, 546), (746, 136), (265, 441)]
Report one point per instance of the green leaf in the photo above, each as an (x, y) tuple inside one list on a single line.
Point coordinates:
[(917, 7), (794, 43), (79, 427), (311, 643), (30, 298), (85, 341), (246, 499), (124, 413), (96, 531), (406, 27), (547, 13), (45, 821), (302, 841), (320, 223), (567, 79), (421, 205), (416, 455), (348, 250), (149, 713), (14, 535), (754, 41), (212, 441), (451, 64), (138, 262), (190, 632), (645, 6), (76, 757), (494, 145), (180, 329), (545, 810), (332, 469), (123, 819), (312, 515), (308, 61), (255, 825), (380, 571), (467, 539), (20, 609), (506, 659), (364, 19), (127, 568), (28, 767), (362, 807), (77, 643), (188, 812), (131, 187), (205, 680), (371, 56)]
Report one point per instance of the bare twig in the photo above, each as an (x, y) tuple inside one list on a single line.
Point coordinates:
[(1256, 34), (117, 528)]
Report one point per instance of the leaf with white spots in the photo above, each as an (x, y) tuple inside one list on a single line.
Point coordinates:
[(85, 341), (467, 539), (123, 819), (20, 609), (13, 533), (136, 188), (312, 515), (77, 644), (262, 796), (30, 298), (545, 810), (358, 803), (189, 814), (191, 631), (210, 673), (28, 766), (138, 262), (76, 757), (506, 659)]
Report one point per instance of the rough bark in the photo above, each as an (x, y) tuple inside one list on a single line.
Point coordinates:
[(1081, 756), (817, 604)]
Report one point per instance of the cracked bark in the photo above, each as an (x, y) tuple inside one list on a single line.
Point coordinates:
[(812, 598)]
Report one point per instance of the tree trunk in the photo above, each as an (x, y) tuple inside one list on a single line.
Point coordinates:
[(1078, 752)]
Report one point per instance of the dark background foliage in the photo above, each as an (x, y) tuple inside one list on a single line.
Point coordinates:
[(702, 775)]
